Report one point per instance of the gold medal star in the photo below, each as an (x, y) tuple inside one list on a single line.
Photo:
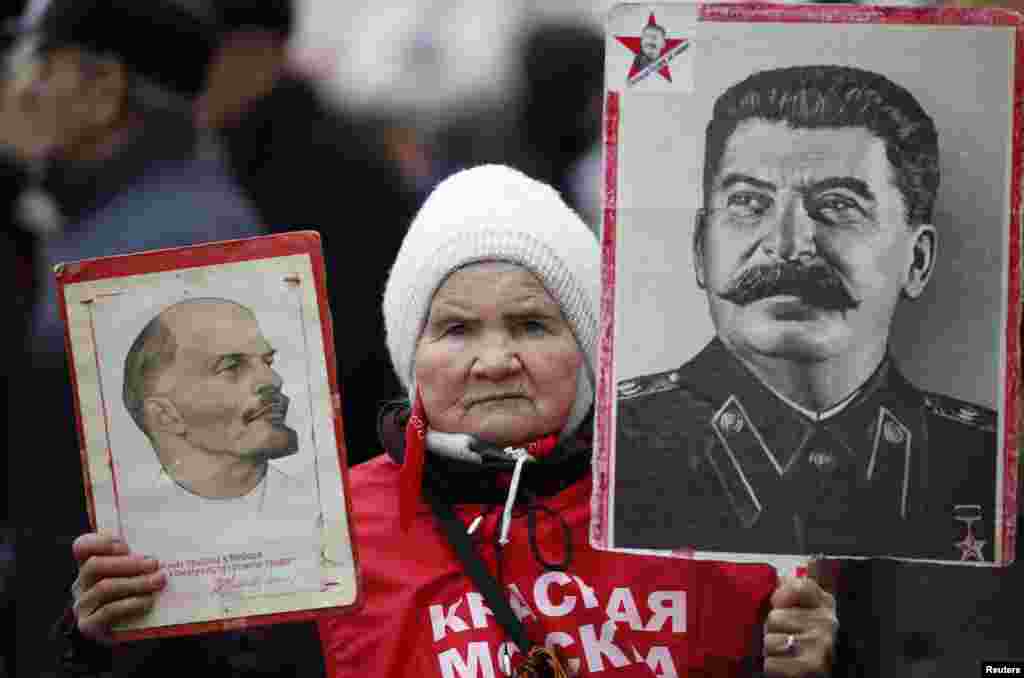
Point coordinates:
[(970, 547)]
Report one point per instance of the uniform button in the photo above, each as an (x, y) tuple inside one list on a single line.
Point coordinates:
[(821, 460), (968, 414), (731, 421), (893, 433)]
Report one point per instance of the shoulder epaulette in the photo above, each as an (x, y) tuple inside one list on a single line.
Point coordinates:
[(648, 384), (961, 411)]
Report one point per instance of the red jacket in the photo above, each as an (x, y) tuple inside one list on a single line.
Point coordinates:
[(610, 614)]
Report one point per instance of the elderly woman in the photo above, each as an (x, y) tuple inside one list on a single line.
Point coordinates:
[(472, 529)]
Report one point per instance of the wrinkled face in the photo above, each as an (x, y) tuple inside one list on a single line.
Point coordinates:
[(223, 385), (496, 358), (652, 41), (806, 250)]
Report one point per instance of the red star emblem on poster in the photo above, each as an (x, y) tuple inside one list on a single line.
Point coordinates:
[(635, 44)]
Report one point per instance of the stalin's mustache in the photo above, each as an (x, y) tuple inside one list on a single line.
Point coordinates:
[(817, 285)]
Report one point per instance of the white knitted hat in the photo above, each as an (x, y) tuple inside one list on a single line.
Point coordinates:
[(495, 213)]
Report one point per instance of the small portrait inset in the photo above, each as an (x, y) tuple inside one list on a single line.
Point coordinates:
[(652, 44), (654, 50), (794, 372)]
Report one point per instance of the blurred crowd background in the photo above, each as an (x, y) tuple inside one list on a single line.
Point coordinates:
[(282, 116)]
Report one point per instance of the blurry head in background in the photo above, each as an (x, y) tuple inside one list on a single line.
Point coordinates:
[(250, 58), (563, 73), (819, 185), (10, 13), (9, 16), (84, 73)]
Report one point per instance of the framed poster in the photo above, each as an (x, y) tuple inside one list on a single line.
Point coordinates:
[(811, 240), (209, 417)]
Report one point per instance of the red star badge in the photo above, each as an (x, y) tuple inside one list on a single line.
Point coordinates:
[(633, 44)]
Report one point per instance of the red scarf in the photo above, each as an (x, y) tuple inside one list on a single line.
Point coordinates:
[(410, 478)]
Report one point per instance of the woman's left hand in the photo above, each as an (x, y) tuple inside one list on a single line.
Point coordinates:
[(800, 632)]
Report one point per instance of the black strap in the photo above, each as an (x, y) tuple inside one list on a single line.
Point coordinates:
[(473, 564), (78, 655)]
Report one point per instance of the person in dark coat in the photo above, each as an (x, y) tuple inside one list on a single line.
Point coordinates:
[(100, 120)]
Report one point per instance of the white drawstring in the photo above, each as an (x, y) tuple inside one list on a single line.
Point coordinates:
[(521, 456), (457, 446)]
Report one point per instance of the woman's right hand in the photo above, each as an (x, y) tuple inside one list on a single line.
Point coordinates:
[(113, 584)]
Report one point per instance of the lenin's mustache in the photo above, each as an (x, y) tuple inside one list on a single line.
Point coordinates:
[(816, 285), (271, 400)]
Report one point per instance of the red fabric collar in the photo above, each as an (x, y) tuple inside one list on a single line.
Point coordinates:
[(410, 478)]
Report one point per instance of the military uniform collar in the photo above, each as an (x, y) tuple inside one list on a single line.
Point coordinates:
[(715, 373), (884, 410), (821, 415)]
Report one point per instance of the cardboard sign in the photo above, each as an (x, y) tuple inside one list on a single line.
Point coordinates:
[(811, 312), (209, 418)]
